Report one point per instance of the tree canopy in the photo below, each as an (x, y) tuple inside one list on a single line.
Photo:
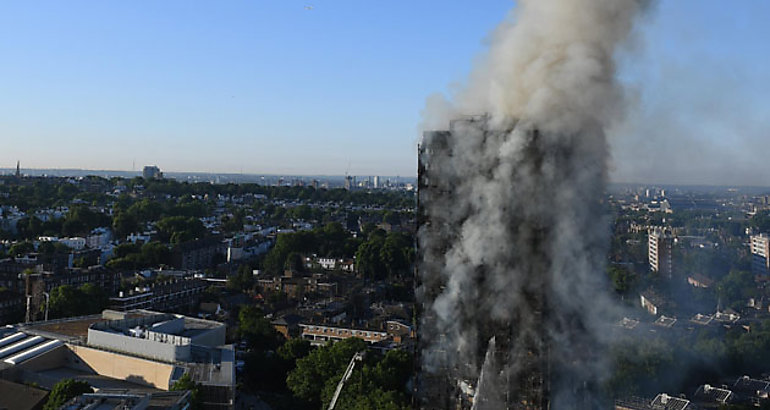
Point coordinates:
[(187, 383), (178, 229), (257, 330), (67, 300), (132, 256), (379, 382), (761, 221), (735, 289), (65, 390), (385, 255)]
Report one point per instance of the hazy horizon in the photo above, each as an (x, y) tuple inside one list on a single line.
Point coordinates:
[(401, 178)]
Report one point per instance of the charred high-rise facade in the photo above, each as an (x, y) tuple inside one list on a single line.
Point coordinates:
[(514, 306), (507, 245)]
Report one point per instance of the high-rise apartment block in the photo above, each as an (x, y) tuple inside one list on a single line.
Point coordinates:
[(445, 383), (660, 246), (151, 172), (760, 254)]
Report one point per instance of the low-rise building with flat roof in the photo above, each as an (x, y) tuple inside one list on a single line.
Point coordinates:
[(135, 350), (319, 335)]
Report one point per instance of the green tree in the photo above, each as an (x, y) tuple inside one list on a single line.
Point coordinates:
[(622, 278), (19, 249), (299, 242), (133, 256), (49, 248), (293, 350), (735, 288), (303, 212), (154, 254), (29, 228), (393, 371), (95, 299), (187, 383), (125, 249), (396, 254), (749, 352), (334, 241), (242, 280), (65, 390), (323, 365), (124, 223), (379, 382), (80, 262), (368, 228), (266, 371), (80, 220), (295, 262), (65, 301), (369, 256), (191, 208), (362, 396), (67, 191), (257, 330), (391, 217), (232, 224), (178, 229), (640, 367), (146, 210), (761, 221)]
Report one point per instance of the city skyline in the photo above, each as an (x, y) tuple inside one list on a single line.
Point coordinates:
[(339, 88)]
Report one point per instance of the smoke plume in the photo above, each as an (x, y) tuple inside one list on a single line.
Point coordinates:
[(513, 239)]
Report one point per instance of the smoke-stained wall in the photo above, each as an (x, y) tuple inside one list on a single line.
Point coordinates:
[(513, 237)]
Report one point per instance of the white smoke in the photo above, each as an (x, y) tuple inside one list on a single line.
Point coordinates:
[(517, 193), (551, 62)]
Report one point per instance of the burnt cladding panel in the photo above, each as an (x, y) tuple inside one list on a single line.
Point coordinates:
[(435, 390), (527, 389)]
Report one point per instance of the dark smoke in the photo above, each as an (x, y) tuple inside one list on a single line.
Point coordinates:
[(514, 243)]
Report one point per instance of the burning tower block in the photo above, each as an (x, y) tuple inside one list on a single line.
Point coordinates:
[(510, 258)]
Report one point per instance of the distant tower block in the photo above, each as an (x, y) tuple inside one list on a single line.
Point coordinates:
[(18, 169), (760, 254), (152, 172), (660, 246)]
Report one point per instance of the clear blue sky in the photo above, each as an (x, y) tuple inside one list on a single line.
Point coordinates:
[(268, 86)]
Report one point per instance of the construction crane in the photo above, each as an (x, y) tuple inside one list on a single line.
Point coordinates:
[(356, 358)]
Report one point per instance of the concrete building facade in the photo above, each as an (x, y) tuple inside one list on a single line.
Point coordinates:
[(659, 251), (760, 254)]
